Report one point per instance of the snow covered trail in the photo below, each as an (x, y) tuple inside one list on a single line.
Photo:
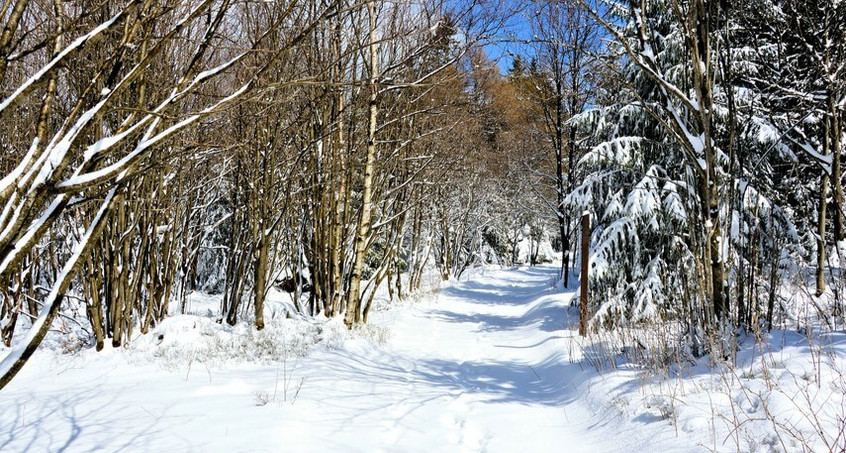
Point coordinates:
[(480, 370), (485, 367)]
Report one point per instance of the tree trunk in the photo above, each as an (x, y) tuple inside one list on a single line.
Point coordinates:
[(835, 138), (353, 315), (773, 280), (583, 293), (560, 182), (698, 23), (565, 253), (260, 288), (821, 227), (337, 239)]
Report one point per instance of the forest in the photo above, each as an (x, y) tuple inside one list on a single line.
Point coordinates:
[(152, 149)]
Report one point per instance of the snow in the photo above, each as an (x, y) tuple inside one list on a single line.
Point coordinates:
[(10, 179), (826, 160), (620, 150), (28, 237), (490, 364), (76, 44), (55, 296)]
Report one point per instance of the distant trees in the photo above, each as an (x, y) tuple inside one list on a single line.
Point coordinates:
[(561, 83)]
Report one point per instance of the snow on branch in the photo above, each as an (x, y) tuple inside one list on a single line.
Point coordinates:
[(14, 361), (611, 240), (619, 150), (77, 44)]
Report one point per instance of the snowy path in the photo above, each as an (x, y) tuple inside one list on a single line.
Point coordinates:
[(480, 370), (483, 368)]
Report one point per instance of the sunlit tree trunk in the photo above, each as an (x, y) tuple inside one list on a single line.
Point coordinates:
[(353, 315)]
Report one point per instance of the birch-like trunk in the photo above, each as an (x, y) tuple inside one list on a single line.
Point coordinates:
[(353, 315)]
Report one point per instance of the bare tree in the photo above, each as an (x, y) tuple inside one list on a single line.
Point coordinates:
[(80, 163)]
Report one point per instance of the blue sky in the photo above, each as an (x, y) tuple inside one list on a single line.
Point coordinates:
[(515, 30), (501, 47)]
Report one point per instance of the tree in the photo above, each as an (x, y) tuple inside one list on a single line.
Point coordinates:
[(560, 82), (86, 161)]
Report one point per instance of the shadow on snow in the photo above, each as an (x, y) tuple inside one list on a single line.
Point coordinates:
[(82, 420), (537, 291)]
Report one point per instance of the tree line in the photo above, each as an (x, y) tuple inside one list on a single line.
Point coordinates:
[(151, 148)]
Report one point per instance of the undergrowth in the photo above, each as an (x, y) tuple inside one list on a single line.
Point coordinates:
[(758, 391)]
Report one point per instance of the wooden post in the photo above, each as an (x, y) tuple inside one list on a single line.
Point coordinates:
[(583, 311)]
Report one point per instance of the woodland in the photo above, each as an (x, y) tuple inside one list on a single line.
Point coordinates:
[(150, 149)]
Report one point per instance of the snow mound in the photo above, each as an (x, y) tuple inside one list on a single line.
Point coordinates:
[(183, 339)]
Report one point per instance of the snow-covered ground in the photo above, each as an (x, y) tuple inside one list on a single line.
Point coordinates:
[(491, 364)]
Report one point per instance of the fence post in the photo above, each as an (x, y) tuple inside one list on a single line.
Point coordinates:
[(583, 310)]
